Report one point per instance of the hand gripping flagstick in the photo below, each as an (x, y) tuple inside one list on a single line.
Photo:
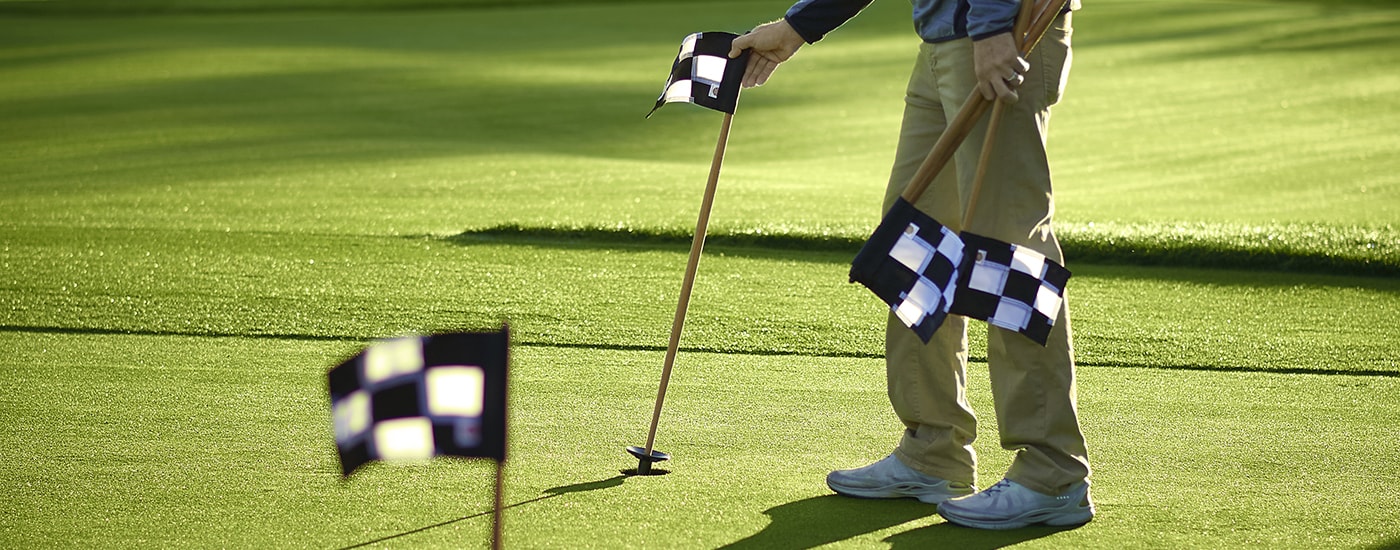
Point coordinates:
[(702, 74), (1023, 18)]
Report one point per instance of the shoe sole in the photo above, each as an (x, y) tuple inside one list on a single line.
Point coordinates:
[(927, 494), (1056, 518)]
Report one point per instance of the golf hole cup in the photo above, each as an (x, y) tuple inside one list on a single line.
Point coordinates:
[(644, 461)]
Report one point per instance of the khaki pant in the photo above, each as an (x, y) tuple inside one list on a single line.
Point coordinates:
[(1033, 386)]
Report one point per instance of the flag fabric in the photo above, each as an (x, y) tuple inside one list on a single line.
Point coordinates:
[(704, 74), (417, 397), (911, 262), (1009, 286), (925, 272)]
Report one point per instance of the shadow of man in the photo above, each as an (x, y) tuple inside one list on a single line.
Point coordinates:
[(965, 538), (830, 518), (816, 521)]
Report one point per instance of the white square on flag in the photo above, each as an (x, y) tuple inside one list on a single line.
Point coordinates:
[(1028, 261), (390, 358), (1011, 315), (989, 277), (910, 251), (351, 416), (677, 91), (455, 390), (1047, 301), (710, 68), (404, 438)]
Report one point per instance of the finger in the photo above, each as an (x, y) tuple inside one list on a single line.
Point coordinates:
[(754, 71), (1011, 98), (764, 70), (1001, 90), (737, 47), (751, 71), (988, 92)]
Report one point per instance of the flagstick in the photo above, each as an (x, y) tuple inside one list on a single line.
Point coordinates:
[(497, 510), (983, 162), (647, 457), (1023, 20)]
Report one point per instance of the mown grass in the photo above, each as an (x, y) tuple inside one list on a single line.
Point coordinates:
[(370, 123), (754, 301), (173, 441), (202, 213)]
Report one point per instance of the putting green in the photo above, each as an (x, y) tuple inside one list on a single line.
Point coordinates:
[(746, 300), (127, 440), (202, 213)]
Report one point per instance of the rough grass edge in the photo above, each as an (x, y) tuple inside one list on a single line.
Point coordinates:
[(1294, 248)]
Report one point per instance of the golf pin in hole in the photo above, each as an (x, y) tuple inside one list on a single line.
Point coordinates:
[(645, 460)]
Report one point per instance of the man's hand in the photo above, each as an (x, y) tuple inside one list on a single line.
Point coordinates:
[(771, 44), (999, 67)]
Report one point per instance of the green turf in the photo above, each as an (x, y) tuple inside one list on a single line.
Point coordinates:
[(556, 292), (207, 455), (381, 123), (201, 213)]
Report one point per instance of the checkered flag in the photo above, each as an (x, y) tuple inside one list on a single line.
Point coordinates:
[(911, 262), (1009, 286), (417, 397), (704, 74)]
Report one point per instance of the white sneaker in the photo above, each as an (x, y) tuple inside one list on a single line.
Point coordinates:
[(1010, 505), (890, 478)]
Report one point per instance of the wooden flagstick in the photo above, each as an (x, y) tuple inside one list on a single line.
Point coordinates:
[(648, 455), (496, 526), (974, 107), (1023, 18)]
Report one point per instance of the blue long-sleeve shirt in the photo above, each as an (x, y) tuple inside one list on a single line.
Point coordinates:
[(934, 20)]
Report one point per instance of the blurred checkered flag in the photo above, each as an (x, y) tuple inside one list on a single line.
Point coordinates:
[(414, 398), (704, 74), (911, 262), (1009, 286)]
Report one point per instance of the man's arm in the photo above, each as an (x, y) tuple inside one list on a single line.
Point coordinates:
[(771, 44), (805, 23)]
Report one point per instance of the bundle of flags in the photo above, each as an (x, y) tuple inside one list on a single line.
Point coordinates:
[(417, 397), (926, 272), (704, 74)]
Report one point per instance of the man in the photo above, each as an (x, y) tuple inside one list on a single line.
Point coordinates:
[(967, 45)]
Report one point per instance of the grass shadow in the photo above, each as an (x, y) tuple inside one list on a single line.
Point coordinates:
[(827, 519), (548, 494), (1223, 248), (1392, 544), (947, 535)]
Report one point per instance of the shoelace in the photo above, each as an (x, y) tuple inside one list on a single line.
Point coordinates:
[(1003, 484)]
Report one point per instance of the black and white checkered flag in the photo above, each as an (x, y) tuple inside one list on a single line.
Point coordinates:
[(911, 262), (924, 273), (414, 398), (704, 74), (1009, 286)]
